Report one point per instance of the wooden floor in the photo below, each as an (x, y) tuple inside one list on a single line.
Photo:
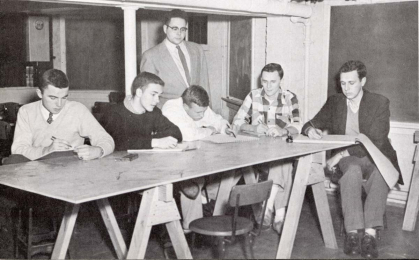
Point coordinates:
[(90, 240)]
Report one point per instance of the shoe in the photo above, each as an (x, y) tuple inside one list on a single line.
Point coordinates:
[(352, 245), (190, 189), (277, 226), (369, 246), (208, 208), (267, 220)]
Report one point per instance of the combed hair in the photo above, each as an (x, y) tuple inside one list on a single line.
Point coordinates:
[(271, 67), (175, 13), (352, 65), (195, 94), (55, 78), (143, 80)]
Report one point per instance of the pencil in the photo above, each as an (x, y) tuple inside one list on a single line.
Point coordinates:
[(231, 132)]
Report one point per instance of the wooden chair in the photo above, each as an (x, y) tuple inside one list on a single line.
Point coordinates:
[(232, 226)]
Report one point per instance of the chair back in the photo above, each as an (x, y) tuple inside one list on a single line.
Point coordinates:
[(250, 193)]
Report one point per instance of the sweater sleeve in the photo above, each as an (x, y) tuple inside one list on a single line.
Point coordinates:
[(23, 137), (165, 128), (90, 127)]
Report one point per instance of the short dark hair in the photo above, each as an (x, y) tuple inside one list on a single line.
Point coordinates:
[(55, 78), (195, 94), (271, 67), (175, 13), (352, 65), (143, 80)]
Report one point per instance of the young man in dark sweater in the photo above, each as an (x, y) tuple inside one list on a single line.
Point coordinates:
[(137, 123)]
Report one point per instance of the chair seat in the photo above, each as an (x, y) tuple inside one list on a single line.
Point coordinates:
[(220, 226)]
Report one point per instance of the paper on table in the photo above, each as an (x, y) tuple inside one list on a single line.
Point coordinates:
[(385, 167), (222, 139), (335, 139), (179, 148), (252, 133)]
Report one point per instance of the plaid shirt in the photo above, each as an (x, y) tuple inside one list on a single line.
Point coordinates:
[(283, 112)]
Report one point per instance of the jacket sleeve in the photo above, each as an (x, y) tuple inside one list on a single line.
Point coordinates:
[(323, 119), (166, 128), (147, 63)]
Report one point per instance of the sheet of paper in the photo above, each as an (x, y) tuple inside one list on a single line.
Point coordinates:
[(179, 148), (222, 139), (335, 139)]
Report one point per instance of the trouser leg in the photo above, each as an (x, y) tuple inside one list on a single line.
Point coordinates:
[(377, 192), (351, 193), (191, 209), (281, 174)]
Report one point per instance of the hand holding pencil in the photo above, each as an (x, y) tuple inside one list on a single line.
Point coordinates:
[(313, 132)]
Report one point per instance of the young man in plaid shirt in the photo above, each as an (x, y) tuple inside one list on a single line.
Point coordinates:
[(273, 112)]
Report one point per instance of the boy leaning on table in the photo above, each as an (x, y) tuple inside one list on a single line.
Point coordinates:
[(273, 112), (56, 124), (196, 120), (137, 123)]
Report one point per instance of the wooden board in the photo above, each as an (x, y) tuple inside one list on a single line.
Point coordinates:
[(77, 181)]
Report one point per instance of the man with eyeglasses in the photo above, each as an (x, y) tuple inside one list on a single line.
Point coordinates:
[(177, 62)]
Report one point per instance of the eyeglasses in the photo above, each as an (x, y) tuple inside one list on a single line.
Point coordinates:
[(176, 29)]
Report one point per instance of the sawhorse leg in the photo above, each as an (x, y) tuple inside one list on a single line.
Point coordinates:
[(309, 172), (69, 221), (158, 207), (412, 207), (66, 230)]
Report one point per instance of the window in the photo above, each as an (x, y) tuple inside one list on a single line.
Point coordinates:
[(198, 29)]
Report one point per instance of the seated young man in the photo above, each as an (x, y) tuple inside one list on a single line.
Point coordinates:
[(352, 112), (192, 114), (55, 124), (196, 120), (138, 123), (273, 112)]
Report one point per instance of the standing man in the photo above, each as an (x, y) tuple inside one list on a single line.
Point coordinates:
[(273, 112), (352, 112), (177, 62), (56, 124)]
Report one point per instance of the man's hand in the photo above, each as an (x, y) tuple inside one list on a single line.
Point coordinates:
[(214, 131), (260, 128), (314, 133), (87, 152), (164, 143), (57, 145), (332, 162), (230, 130), (276, 131)]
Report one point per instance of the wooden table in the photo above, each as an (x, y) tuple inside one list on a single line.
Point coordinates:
[(76, 182), (412, 207)]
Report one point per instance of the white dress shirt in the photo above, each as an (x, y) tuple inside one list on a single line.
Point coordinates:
[(193, 130), (175, 55)]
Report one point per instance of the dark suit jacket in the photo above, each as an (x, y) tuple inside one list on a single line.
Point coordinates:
[(374, 122), (158, 60)]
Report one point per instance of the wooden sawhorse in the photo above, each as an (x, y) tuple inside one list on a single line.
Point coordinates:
[(158, 207), (412, 207)]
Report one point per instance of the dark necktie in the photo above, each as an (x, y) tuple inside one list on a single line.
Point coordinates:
[(184, 64), (49, 120)]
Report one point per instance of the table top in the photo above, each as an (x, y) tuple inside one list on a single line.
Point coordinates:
[(76, 181)]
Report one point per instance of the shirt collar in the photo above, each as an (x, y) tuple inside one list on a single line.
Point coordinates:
[(354, 103), (262, 93), (45, 113), (172, 46)]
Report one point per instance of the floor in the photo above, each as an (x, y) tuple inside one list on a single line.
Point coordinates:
[(90, 240)]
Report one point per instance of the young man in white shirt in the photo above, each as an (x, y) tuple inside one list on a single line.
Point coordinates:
[(196, 120)]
